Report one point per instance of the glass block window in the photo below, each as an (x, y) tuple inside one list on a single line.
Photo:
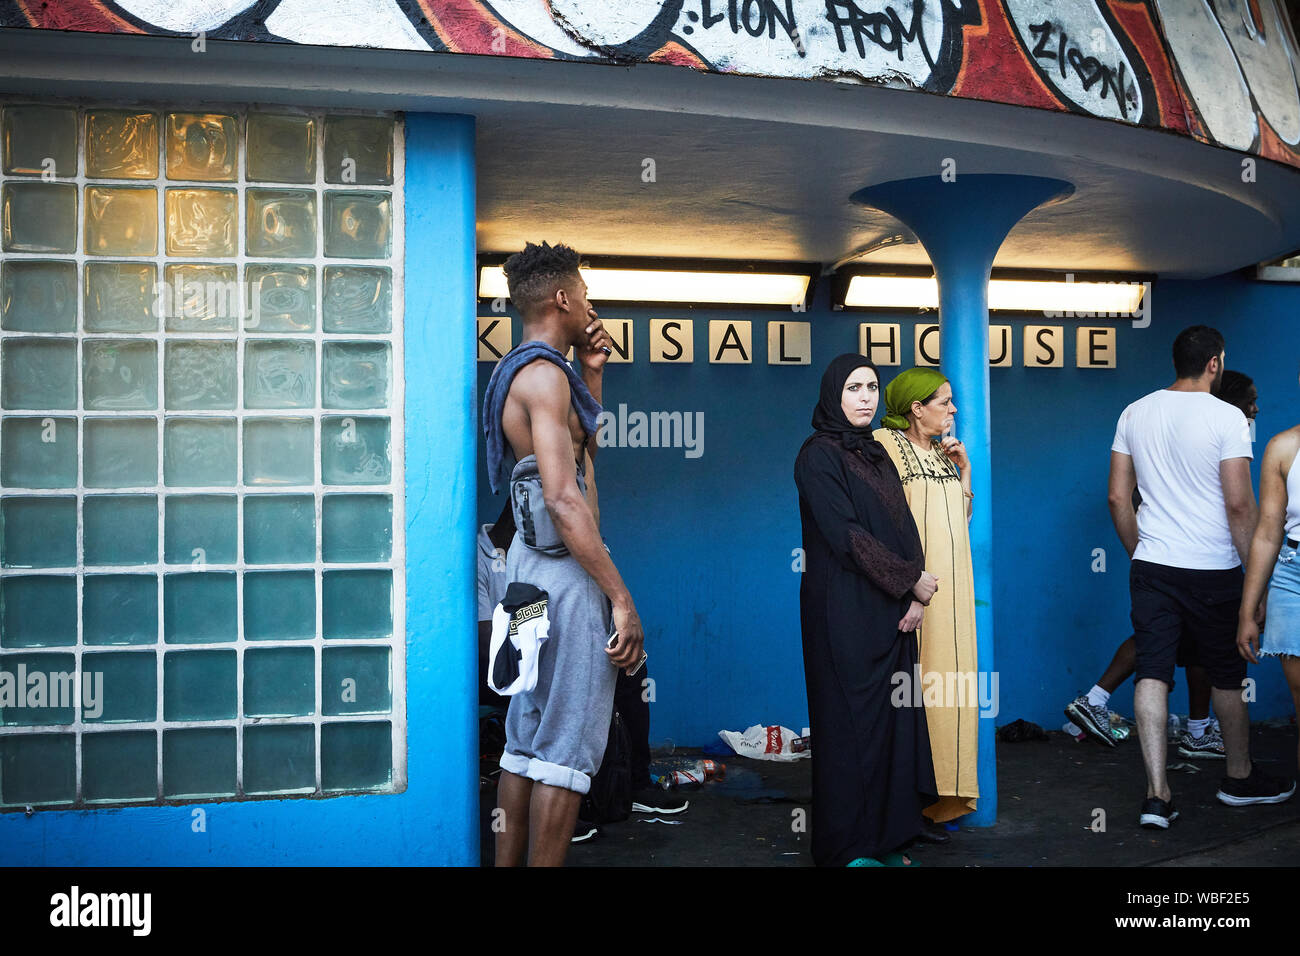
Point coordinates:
[(201, 513)]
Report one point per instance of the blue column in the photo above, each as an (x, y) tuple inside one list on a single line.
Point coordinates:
[(441, 433), (961, 224)]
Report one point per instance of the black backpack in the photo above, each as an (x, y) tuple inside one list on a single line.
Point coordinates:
[(610, 797)]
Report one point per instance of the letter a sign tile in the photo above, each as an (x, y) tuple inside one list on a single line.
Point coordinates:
[(730, 342)]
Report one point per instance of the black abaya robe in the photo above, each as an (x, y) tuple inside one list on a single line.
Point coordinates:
[(872, 770)]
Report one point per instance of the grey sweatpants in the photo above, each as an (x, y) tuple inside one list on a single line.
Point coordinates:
[(556, 733)]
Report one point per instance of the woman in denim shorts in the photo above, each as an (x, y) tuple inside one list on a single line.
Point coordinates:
[(1274, 549)]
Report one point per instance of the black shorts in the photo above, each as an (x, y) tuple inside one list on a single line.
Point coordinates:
[(1195, 608)]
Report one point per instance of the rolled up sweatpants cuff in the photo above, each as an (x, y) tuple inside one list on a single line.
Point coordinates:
[(551, 774)]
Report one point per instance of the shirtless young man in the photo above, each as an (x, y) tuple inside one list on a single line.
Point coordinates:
[(556, 733)]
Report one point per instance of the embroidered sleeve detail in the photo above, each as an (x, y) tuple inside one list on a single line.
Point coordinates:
[(892, 574)]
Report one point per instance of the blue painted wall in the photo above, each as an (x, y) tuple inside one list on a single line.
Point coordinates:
[(705, 544), (435, 821)]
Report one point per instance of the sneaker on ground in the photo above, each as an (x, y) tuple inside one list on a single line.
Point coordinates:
[(1095, 721), (1259, 787), (1157, 814), (658, 800), (584, 832), (1208, 746)]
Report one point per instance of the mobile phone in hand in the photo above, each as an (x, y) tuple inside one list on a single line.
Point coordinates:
[(639, 664), (613, 638)]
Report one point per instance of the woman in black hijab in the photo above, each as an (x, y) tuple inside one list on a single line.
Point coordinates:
[(861, 598)]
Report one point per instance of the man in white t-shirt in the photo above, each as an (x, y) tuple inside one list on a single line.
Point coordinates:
[(1189, 455)]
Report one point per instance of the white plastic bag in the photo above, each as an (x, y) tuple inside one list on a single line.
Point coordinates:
[(763, 743)]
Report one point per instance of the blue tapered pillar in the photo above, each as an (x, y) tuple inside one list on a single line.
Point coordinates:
[(962, 224)]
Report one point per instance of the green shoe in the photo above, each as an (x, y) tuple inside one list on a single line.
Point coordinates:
[(865, 861)]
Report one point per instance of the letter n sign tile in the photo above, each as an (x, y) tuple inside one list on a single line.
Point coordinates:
[(494, 339), (620, 335), (789, 343)]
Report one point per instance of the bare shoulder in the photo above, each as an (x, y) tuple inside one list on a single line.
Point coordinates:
[(540, 383), (1282, 448)]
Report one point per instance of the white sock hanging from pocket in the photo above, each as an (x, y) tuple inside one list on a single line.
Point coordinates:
[(519, 628)]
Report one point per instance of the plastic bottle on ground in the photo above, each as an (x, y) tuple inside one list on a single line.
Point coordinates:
[(695, 775)]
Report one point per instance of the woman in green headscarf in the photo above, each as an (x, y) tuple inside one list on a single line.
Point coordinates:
[(935, 472)]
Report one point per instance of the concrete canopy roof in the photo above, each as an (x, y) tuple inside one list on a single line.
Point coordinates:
[(745, 168)]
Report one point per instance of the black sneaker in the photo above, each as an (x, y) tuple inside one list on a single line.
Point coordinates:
[(1095, 721), (1207, 746), (658, 800), (584, 832), (1157, 814), (1259, 787)]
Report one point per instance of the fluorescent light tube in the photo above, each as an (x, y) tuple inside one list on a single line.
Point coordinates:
[(654, 285)]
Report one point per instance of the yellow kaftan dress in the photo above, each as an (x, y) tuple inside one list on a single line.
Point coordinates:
[(946, 637)]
